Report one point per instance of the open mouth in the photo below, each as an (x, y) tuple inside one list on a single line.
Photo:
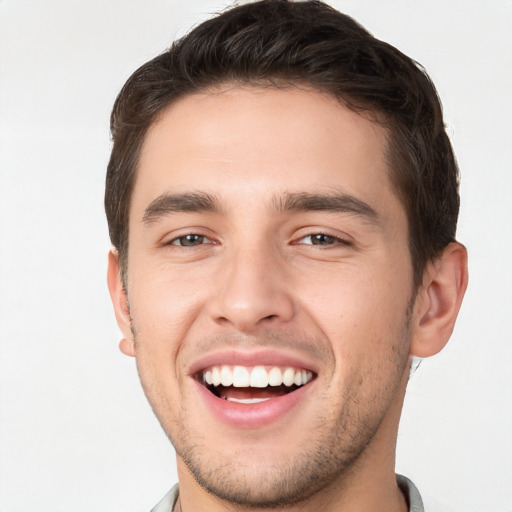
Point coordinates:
[(251, 385)]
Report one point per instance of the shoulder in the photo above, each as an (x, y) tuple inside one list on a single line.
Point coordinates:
[(166, 504), (417, 502), (432, 505), (411, 493)]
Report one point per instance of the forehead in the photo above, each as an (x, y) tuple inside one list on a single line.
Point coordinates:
[(249, 141)]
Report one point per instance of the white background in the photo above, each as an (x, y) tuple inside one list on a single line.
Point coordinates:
[(76, 434)]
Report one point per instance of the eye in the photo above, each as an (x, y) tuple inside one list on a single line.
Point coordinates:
[(322, 239), (191, 240)]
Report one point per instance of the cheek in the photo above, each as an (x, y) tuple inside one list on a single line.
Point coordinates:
[(365, 322), (163, 306), (359, 312)]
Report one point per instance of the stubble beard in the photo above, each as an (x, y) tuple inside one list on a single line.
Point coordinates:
[(335, 445), (283, 483)]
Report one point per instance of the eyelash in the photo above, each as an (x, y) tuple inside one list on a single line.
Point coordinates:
[(187, 235), (335, 241)]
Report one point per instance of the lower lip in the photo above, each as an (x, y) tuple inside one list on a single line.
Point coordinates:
[(252, 415)]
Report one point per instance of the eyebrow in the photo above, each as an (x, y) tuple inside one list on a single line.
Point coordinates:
[(335, 203), (179, 203), (197, 202)]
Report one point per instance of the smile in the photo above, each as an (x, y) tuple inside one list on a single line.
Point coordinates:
[(252, 385)]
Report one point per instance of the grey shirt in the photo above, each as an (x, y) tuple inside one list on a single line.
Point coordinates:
[(410, 491)]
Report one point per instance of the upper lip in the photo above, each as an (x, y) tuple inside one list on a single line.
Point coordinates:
[(261, 357)]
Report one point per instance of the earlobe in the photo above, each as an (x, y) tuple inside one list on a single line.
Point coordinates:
[(127, 347), (120, 303), (439, 299)]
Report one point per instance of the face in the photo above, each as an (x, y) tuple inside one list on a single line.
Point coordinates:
[(269, 287)]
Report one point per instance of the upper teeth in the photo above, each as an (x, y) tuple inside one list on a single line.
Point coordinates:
[(257, 377)]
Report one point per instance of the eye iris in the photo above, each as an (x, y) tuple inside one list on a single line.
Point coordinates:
[(320, 239), (190, 240)]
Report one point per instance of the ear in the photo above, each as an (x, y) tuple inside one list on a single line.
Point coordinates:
[(120, 302), (438, 301)]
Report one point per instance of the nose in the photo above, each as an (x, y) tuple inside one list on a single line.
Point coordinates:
[(253, 292)]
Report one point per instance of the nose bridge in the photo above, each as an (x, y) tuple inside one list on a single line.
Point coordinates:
[(254, 287)]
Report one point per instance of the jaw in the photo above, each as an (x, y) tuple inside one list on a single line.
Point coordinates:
[(269, 484), (278, 457), (285, 448)]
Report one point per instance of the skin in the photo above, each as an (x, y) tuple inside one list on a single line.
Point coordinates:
[(254, 280)]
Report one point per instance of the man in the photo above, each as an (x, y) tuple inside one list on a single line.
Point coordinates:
[(282, 198)]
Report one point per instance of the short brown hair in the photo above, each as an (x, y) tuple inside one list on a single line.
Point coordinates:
[(283, 42)]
